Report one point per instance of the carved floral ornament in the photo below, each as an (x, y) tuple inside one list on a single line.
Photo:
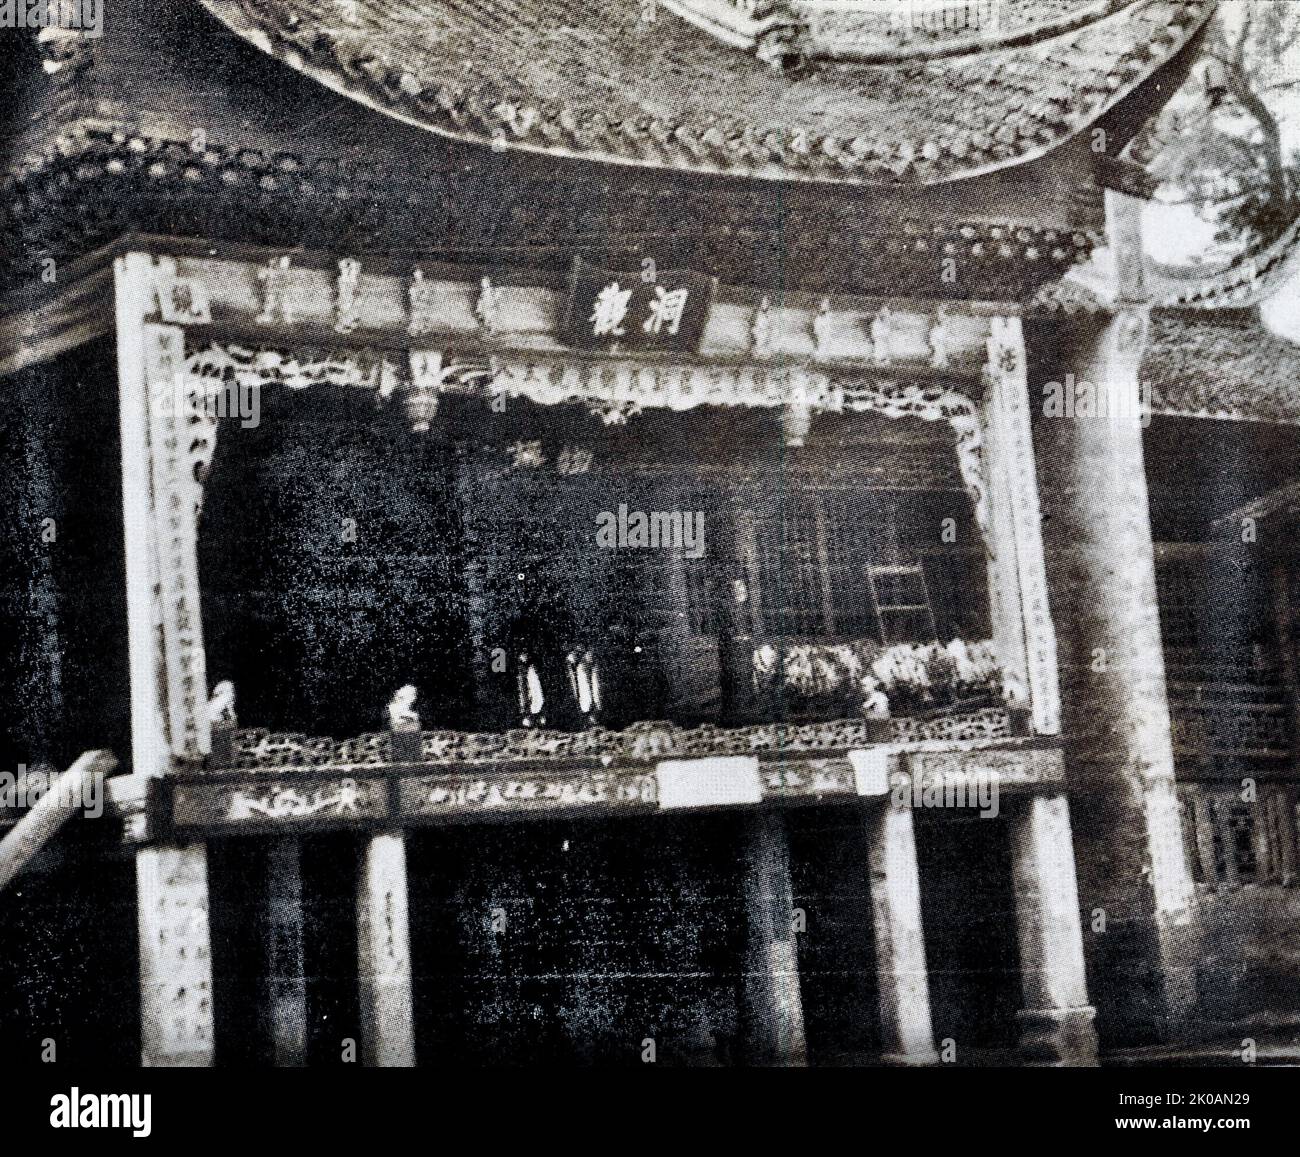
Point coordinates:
[(644, 742), (616, 390)]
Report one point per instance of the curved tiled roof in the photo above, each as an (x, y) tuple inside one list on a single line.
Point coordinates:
[(1221, 366), (1246, 282), (598, 81)]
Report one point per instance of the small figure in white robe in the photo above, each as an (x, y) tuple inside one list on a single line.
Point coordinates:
[(584, 681), (821, 327), (531, 700), (402, 715), (940, 341), (760, 331), (882, 336), (221, 706)]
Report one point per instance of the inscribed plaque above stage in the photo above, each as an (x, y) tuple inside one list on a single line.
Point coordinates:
[(657, 310)]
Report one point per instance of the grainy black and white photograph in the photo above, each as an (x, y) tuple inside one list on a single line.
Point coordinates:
[(641, 534)]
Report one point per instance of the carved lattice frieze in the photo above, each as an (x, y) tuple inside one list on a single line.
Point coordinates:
[(643, 742), (224, 361)]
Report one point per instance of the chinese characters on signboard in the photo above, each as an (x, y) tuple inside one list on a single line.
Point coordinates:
[(630, 311)]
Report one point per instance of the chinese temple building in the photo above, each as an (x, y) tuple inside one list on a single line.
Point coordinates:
[(518, 486)]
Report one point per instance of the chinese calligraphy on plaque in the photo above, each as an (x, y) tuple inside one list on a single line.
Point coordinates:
[(612, 310)]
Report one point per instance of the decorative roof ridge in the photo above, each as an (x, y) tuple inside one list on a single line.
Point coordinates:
[(1247, 281), (971, 44)]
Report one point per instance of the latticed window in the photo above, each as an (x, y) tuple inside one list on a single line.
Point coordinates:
[(1230, 842), (701, 614), (791, 572), (833, 565), (1215, 618), (848, 542), (1241, 840)]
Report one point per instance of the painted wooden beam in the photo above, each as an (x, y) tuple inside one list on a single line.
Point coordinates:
[(176, 1013)]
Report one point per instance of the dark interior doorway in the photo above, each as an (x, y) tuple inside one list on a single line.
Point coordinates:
[(968, 908), (837, 954), (574, 943), (238, 879)]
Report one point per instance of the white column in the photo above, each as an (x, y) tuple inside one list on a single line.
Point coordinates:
[(773, 1003), (1023, 630), (1116, 723), (176, 1016), (176, 1026), (906, 1033), (384, 955), (1057, 1020)]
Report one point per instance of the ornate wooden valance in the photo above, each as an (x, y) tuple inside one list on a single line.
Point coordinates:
[(613, 389)]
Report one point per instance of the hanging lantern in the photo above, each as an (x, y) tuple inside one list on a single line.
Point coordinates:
[(420, 399), (796, 422)]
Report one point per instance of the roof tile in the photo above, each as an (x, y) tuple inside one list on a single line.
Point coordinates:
[(606, 84)]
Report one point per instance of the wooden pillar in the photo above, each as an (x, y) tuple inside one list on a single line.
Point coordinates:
[(286, 995), (176, 1023), (1023, 631), (741, 621), (906, 1033), (1286, 829), (1284, 629), (1203, 817), (772, 1001), (149, 744), (1223, 828), (1057, 1020), (176, 1015), (1101, 567), (384, 954), (494, 703)]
